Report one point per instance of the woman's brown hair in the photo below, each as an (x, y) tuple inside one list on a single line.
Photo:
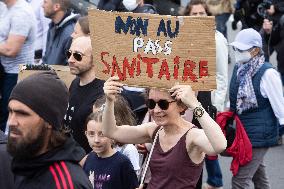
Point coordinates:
[(189, 6), (122, 112), (84, 24)]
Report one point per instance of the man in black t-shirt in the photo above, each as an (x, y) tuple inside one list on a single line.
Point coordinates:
[(84, 90)]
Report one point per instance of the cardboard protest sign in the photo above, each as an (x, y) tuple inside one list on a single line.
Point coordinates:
[(153, 50), (63, 72)]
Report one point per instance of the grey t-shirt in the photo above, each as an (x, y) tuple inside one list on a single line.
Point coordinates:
[(3, 9), (19, 19)]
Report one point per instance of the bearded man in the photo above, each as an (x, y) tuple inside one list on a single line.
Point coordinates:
[(44, 155)]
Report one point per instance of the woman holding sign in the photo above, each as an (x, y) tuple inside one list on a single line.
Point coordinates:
[(178, 146)]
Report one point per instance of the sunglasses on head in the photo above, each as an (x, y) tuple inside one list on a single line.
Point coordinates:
[(77, 55), (163, 104)]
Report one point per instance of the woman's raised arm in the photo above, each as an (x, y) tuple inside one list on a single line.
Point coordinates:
[(212, 140), (124, 134)]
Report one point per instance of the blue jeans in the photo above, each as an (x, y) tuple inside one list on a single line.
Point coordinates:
[(7, 84), (281, 130), (281, 127), (221, 21), (214, 173)]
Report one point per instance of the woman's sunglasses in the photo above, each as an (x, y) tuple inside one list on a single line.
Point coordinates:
[(77, 55), (163, 104)]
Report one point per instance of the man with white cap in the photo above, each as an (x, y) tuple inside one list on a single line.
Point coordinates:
[(256, 96)]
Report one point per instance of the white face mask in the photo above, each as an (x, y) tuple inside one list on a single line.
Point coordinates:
[(242, 57), (130, 5)]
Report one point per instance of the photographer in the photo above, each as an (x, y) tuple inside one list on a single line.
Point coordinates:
[(252, 12), (246, 12), (274, 32), (270, 11), (275, 10), (274, 35)]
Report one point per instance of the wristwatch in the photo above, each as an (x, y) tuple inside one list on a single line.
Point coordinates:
[(198, 111)]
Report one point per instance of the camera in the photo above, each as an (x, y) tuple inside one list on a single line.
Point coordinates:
[(262, 8), (266, 4)]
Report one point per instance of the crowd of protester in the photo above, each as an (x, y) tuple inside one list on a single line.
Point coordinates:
[(103, 135)]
